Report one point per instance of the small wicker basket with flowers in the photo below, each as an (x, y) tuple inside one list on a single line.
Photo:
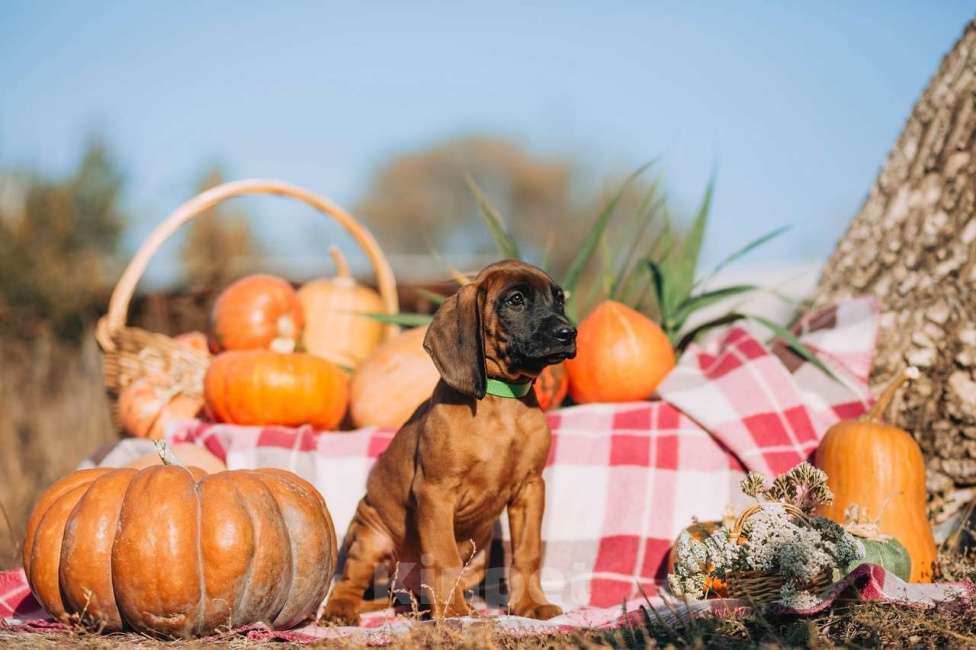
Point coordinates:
[(775, 551)]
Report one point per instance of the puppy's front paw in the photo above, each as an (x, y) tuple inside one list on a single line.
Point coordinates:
[(341, 611), (540, 611)]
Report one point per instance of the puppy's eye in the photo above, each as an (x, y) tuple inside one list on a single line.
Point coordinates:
[(516, 299)]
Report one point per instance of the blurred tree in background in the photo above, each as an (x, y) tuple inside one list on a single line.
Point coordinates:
[(419, 202), (219, 243), (59, 242)]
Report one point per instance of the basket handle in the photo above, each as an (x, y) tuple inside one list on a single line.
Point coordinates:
[(740, 523), (118, 305)]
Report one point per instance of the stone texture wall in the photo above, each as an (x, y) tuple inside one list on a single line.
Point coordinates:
[(913, 246)]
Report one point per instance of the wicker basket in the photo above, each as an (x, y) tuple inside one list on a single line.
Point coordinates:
[(131, 352), (762, 587)]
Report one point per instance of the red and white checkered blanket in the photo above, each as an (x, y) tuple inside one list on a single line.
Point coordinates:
[(622, 480)]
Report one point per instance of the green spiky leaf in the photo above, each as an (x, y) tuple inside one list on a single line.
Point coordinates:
[(792, 342), (660, 284), (688, 337), (592, 239), (644, 217), (706, 299), (745, 250), (432, 296), (682, 263), (404, 320), (506, 245)]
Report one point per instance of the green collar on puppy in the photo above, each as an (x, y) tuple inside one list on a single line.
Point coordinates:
[(500, 388)]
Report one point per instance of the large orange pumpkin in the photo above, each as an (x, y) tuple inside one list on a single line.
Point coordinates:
[(393, 382), (621, 356), (256, 312), (264, 387), (551, 386), (173, 551), (880, 468), (334, 327)]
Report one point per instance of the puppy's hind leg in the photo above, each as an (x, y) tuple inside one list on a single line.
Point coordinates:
[(367, 547)]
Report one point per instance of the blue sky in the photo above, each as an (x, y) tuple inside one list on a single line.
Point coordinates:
[(796, 104)]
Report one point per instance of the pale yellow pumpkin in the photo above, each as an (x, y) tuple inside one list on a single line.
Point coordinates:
[(335, 328), (393, 382), (188, 453)]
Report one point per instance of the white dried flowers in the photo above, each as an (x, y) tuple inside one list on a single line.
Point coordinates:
[(773, 541)]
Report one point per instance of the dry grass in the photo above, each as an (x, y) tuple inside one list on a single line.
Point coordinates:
[(856, 625), (53, 414)]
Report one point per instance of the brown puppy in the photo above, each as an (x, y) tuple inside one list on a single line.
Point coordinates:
[(466, 453)]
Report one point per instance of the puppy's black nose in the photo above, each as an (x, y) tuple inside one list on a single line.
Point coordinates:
[(565, 334)]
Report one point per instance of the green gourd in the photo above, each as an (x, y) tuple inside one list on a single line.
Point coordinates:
[(883, 550), (887, 553)]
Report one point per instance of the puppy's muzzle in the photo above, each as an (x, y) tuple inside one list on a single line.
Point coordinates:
[(563, 337)]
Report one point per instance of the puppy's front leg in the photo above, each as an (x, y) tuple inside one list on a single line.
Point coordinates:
[(440, 559), (525, 521)]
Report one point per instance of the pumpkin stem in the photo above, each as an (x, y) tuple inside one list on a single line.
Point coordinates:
[(166, 454), (342, 266), (880, 406)]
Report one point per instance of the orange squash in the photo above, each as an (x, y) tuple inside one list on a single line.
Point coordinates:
[(173, 551), (621, 356), (256, 312), (551, 386), (264, 387), (334, 328), (189, 453), (880, 468), (393, 382)]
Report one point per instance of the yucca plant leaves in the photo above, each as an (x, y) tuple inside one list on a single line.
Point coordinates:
[(404, 320), (432, 296), (688, 337), (682, 263), (592, 239), (703, 300), (780, 332), (659, 282), (644, 217), (792, 342), (504, 241), (745, 250)]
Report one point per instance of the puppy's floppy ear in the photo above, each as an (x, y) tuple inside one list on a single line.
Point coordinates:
[(455, 342)]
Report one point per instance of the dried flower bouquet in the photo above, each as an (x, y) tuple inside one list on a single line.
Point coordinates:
[(776, 551)]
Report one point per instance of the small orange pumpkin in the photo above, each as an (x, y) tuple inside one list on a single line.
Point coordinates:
[(264, 387), (335, 328), (551, 386), (880, 468), (393, 382), (150, 402), (256, 312), (621, 356)]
